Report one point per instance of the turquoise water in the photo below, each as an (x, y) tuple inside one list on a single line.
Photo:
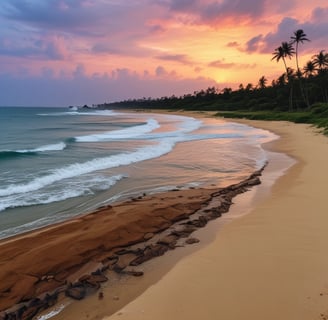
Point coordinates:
[(56, 163)]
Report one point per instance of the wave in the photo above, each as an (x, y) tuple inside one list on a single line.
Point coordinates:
[(71, 190), (16, 153), (126, 133), (80, 113), (97, 164), (5, 154)]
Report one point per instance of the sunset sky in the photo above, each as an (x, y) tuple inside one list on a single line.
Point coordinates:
[(75, 52)]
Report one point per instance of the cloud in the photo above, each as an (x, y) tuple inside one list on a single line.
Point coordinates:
[(111, 27), (55, 14), (51, 47), (234, 8), (319, 14), (80, 89), (209, 11), (221, 64), (315, 29), (233, 44), (254, 44), (181, 58)]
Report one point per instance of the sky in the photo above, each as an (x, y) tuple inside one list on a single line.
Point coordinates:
[(76, 52)]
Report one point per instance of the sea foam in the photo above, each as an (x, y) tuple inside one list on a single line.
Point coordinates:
[(70, 190), (127, 133), (77, 169)]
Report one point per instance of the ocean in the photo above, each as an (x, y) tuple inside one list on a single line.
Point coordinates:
[(57, 163)]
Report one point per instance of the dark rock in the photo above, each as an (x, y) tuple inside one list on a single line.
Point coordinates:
[(84, 278), (123, 262), (254, 181), (34, 302), (98, 278), (51, 299), (77, 292), (170, 240), (199, 223), (30, 312), (192, 241), (91, 278), (133, 273), (89, 284), (128, 251), (150, 252), (183, 231)]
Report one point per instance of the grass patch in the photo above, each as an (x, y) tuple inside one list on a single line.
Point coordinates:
[(317, 115)]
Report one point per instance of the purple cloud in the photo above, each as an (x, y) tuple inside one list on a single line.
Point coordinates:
[(206, 12), (315, 29), (80, 89), (234, 8)]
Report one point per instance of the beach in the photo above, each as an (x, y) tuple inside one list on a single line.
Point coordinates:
[(270, 262)]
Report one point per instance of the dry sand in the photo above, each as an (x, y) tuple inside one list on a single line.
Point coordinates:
[(269, 264)]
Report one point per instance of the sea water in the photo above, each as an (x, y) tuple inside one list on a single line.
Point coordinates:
[(56, 163)]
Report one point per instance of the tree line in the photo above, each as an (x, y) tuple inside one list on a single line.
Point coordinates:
[(297, 89)]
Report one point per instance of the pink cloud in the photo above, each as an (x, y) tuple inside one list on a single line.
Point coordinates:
[(181, 58), (221, 64)]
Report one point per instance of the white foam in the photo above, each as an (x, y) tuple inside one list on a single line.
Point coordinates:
[(80, 113), (52, 313), (78, 169), (50, 147), (71, 190), (127, 133)]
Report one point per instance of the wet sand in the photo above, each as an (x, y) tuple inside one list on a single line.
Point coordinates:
[(269, 264)]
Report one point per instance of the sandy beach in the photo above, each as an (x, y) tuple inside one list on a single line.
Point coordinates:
[(270, 262)]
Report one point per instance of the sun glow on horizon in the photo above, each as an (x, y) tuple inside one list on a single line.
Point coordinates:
[(165, 44)]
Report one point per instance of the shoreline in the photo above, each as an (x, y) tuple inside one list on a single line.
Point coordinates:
[(103, 240), (146, 298), (269, 263)]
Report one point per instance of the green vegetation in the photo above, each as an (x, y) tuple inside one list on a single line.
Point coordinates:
[(299, 95), (317, 115)]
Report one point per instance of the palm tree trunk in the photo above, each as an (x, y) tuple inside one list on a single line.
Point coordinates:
[(290, 86)]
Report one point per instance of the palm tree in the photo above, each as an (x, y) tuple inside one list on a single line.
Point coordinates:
[(300, 37), (320, 60), (281, 81), (309, 69), (286, 50), (262, 82)]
